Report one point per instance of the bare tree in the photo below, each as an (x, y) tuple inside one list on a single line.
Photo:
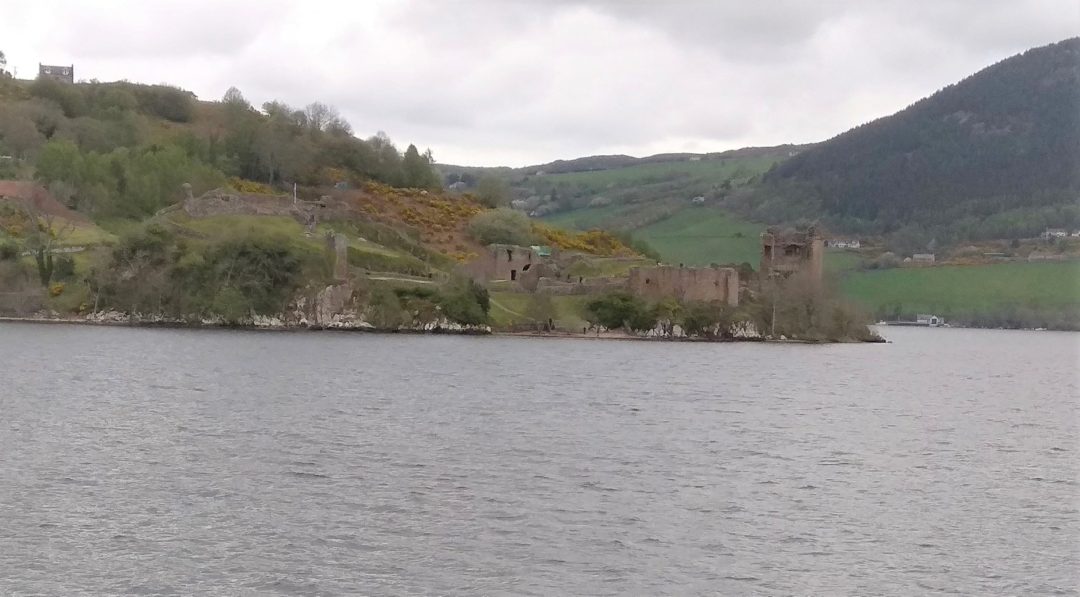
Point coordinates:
[(43, 238), (319, 115)]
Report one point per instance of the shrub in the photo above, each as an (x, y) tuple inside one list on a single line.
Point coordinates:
[(493, 192), (166, 102), (466, 303), (620, 310), (502, 226), (63, 268), (9, 250), (67, 96), (639, 246), (594, 242), (384, 310), (231, 305), (706, 319)]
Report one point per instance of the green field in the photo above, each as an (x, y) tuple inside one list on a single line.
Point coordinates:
[(838, 261), (969, 289), (707, 171), (704, 235), (590, 217), (509, 308)]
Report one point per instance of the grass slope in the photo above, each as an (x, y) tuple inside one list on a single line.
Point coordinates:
[(969, 289), (703, 171), (704, 235), (508, 308), (587, 218)]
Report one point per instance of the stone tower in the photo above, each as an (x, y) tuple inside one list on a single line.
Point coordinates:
[(786, 252)]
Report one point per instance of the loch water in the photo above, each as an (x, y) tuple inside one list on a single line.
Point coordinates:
[(203, 462)]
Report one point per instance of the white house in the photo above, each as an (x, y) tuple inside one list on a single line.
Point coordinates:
[(1055, 233), (837, 243), (930, 320)]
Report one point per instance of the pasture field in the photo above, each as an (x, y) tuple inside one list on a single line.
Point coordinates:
[(704, 235), (1052, 286)]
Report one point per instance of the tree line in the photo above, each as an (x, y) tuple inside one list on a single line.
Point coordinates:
[(123, 149)]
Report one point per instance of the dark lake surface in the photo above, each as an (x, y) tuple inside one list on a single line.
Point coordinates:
[(138, 461)]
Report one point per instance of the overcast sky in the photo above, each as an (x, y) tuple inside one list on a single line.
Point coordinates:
[(527, 81)]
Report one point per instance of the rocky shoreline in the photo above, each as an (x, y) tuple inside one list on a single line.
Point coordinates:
[(267, 324)]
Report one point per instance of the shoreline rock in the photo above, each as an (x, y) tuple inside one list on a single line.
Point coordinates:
[(279, 324)]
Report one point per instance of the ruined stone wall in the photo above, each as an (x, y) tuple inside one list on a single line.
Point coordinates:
[(685, 283), (553, 286), (586, 286), (502, 262), (530, 278), (337, 246), (220, 202)]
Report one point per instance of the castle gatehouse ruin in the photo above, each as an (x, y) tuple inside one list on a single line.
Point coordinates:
[(513, 263)]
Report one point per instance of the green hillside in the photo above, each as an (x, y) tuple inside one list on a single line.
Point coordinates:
[(704, 235), (655, 202), (993, 156), (650, 187), (118, 160), (715, 170)]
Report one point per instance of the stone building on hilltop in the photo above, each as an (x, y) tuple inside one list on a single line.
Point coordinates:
[(64, 74)]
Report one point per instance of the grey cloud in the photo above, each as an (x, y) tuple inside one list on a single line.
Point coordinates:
[(526, 81)]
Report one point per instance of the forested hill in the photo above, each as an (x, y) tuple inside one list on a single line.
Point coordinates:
[(1004, 142), (122, 150)]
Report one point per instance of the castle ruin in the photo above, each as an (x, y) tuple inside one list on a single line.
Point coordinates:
[(337, 247), (506, 262), (784, 252), (705, 284)]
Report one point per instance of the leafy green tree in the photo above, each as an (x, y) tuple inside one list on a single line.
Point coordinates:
[(465, 302), (60, 160), (165, 101), (68, 97), (417, 171), (707, 319), (233, 98), (19, 134), (384, 309), (620, 310), (386, 160)]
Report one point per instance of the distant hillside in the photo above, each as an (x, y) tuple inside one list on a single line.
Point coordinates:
[(995, 155), (632, 191)]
